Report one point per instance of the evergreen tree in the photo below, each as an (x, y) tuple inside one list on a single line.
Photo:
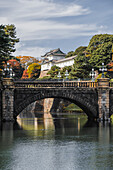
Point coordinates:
[(98, 51), (100, 48), (69, 54), (7, 43), (54, 72), (63, 71), (81, 65), (76, 52)]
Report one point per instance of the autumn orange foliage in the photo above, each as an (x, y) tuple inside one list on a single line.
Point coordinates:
[(110, 65), (34, 70), (14, 63), (27, 59), (25, 75)]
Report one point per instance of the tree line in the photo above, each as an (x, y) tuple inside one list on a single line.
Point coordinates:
[(98, 51), (8, 40)]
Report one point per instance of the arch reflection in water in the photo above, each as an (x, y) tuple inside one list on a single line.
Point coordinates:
[(75, 142), (40, 126), (53, 122)]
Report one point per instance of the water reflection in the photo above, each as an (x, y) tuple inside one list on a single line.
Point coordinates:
[(56, 142), (63, 125), (40, 126), (48, 123)]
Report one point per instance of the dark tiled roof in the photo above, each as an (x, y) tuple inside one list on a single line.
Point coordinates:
[(54, 52), (66, 59)]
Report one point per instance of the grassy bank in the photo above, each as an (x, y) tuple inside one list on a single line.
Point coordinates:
[(73, 108), (111, 118)]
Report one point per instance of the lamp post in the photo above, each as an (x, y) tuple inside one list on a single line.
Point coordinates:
[(8, 72), (103, 69), (66, 74), (59, 75), (92, 74)]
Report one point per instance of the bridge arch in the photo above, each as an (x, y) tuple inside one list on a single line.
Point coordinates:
[(87, 101)]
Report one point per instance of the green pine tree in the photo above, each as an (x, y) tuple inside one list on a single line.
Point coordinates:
[(8, 40)]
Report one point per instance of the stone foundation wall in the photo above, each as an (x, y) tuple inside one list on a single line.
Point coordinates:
[(45, 106), (28, 112), (0, 100), (0, 104), (48, 103), (58, 105), (103, 98), (39, 107)]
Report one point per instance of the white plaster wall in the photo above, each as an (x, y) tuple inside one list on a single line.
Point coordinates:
[(44, 67), (47, 66), (65, 63)]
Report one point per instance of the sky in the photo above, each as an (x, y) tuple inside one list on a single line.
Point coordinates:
[(44, 25)]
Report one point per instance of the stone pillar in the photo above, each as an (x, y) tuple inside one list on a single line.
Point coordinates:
[(0, 100), (8, 100), (103, 98)]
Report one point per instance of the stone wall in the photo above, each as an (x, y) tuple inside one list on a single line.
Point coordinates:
[(28, 112), (0, 104), (48, 105), (103, 98), (58, 105), (0, 100), (93, 101), (51, 105), (86, 98), (39, 107), (111, 102)]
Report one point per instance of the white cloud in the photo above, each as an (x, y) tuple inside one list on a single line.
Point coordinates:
[(36, 30), (30, 18), (23, 50), (49, 9), (39, 9), (8, 3), (42, 20), (3, 20)]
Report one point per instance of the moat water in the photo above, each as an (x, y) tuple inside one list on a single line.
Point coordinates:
[(60, 142)]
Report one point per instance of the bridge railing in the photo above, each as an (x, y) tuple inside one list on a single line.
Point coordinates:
[(81, 84), (53, 84), (111, 84)]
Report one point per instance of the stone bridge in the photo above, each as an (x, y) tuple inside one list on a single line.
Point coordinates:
[(92, 97)]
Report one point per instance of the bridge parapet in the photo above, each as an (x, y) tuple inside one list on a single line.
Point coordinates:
[(54, 84)]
